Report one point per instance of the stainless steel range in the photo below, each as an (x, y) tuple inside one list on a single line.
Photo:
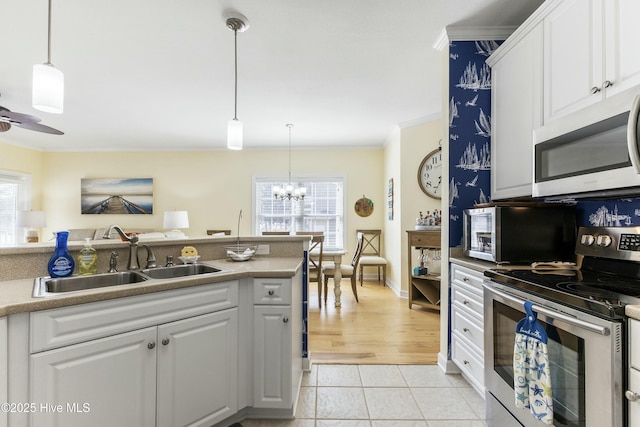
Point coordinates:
[(582, 311)]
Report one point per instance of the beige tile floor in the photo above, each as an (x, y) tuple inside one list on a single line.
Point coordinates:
[(383, 396)]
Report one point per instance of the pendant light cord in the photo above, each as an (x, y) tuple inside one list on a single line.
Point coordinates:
[(235, 44), (49, 36)]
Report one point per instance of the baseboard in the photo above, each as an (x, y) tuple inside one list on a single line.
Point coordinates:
[(447, 365)]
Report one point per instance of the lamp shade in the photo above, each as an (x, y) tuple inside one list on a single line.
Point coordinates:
[(48, 88), (234, 134), (31, 219), (176, 219)]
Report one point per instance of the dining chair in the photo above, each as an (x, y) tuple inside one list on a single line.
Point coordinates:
[(315, 262), (347, 271), (371, 254)]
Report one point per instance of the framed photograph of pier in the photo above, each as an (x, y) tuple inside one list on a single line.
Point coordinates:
[(116, 196)]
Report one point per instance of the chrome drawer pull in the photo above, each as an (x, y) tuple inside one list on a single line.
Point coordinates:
[(151, 345), (271, 292), (466, 329), (631, 396), (165, 341)]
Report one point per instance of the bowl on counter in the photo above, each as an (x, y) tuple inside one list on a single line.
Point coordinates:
[(241, 252)]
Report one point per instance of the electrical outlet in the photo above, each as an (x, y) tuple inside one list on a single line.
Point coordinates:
[(262, 250)]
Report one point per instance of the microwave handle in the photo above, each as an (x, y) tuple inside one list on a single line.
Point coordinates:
[(632, 134), (552, 313)]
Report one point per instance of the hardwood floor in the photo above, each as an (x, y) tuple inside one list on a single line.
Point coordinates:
[(380, 329)]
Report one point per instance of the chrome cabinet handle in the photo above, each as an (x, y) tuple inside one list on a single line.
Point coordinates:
[(595, 90), (465, 302), (271, 292), (631, 396), (607, 83), (285, 319), (165, 341), (466, 329), (465, 279), (466, 362), (151, 345)]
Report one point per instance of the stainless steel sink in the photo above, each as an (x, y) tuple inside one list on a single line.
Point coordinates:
[(179, 271), (48, 286)]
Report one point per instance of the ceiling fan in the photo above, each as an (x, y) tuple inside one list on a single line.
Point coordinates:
[(8, 118)]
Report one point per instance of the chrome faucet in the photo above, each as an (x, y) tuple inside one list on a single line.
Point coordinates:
[(133, 245), (151, 258)]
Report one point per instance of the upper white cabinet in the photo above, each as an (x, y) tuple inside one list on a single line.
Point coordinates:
[(516, 105), (590, 52)]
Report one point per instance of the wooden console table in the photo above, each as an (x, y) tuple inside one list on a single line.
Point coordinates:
[(423, 290)]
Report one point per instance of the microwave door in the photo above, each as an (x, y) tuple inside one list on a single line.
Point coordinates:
[(633, 126)]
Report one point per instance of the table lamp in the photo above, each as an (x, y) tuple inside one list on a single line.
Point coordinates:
[(32, 221), (176, 220)]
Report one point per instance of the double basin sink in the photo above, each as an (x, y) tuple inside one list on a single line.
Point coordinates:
[(50, 287)]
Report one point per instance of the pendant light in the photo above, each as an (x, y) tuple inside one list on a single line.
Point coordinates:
[(236, 22), (48, 81), (288, 192)]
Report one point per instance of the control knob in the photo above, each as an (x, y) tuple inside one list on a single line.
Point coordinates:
[(587, 239), (604, 240)]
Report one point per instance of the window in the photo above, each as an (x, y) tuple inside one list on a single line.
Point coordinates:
[(15, 195), (321, 210)]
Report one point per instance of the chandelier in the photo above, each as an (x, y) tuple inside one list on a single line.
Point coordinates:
[(288, 192)]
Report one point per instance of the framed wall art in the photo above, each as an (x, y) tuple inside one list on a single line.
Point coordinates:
[(116, 196)]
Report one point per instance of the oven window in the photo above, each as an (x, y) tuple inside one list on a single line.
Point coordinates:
[(566, 361)]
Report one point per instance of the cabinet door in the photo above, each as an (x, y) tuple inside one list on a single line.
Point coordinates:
[(3, 368), (622, 34), (272, 357), (573, 57), (517, 110), (198, 369), (105, 382)]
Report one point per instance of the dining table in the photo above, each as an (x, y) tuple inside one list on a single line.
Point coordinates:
[(335, 256)]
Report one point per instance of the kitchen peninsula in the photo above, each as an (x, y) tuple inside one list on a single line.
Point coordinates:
[(207, 349)]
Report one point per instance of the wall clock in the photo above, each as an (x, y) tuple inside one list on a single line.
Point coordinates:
[(430, 174)]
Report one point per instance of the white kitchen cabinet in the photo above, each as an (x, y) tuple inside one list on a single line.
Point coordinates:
[(467, 317), (176, 372), (277, 333), (3, 369), (516, 105), (197, 370), (590, 52), (633, 388)]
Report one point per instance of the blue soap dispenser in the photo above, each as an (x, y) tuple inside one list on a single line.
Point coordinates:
[(61, 263)]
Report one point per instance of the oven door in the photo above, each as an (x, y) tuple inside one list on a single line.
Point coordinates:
[(585, 358)]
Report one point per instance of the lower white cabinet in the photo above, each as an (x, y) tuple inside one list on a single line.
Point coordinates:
[(633, 388), (277, 342), (272, 364), (467, 317), (189, 365), (3, 369)]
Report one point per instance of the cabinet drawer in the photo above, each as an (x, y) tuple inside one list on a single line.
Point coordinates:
[(425, 239), (467, 301), (634, 344), (467, 278), (272, 291), (469, 362), (468, 328), (70, 325)]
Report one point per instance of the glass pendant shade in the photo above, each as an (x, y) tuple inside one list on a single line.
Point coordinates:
[(234, 134), (48, 88)]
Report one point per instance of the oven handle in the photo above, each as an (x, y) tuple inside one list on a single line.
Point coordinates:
[(551, 313), (632, 134)]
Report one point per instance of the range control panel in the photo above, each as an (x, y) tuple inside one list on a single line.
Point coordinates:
[(609, 242)]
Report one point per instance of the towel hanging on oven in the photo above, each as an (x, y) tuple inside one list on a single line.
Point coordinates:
[(531, 373)]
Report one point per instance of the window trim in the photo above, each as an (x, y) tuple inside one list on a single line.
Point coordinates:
[(296, 178), (24, 181)]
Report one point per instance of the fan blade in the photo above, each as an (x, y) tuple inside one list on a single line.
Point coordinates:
[(4, 126), (12, 117), (39, 128)]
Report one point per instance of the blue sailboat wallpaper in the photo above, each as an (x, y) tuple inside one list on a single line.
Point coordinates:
[(469, 129)]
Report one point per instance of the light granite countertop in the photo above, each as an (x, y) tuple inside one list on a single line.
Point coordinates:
[(16, 295), (633, 311)]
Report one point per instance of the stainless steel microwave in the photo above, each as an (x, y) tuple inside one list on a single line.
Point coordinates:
[(594, 151), (520, 234)]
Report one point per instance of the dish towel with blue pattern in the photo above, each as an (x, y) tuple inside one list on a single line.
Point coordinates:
[(531, 373)]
